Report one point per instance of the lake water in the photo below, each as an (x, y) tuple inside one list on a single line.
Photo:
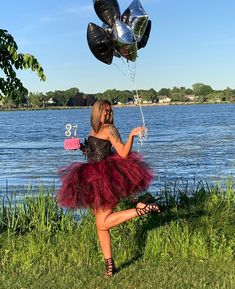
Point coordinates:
[(184, 142)]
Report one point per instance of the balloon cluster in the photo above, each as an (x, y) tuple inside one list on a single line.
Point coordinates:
[(120, 35)]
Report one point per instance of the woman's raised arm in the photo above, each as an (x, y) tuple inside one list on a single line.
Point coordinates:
[(114, 137)]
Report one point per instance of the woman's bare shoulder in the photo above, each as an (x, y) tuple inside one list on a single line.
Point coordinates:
[(92, 133), (112, 131), (103, 133), (108, 128)]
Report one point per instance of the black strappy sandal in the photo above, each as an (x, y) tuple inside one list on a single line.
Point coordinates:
[(148, 208), (109, 267)]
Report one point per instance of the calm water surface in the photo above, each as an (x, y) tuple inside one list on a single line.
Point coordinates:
[(184, 142)]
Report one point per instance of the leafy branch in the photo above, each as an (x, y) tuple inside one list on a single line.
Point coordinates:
[(10, 61)]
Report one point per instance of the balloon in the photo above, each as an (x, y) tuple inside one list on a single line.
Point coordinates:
[(108, 29), (99, 43), (117, 54), (109, 32), (124, 40), (136, 18), (107, 10), (142, 43)]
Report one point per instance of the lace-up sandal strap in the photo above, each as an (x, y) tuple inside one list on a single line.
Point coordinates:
[(109, 267), (147, 209)]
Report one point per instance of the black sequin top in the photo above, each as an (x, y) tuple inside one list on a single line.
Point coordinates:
[(97, 149)]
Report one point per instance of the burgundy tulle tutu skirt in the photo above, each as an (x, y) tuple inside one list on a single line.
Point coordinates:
[(103, 184)]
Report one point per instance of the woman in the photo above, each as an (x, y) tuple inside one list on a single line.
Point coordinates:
[(106, 178)]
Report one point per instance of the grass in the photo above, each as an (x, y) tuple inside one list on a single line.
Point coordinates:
[(168, 274), (189, 245)]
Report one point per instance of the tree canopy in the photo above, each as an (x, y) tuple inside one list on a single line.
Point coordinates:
[(202, 89), (11, 60)]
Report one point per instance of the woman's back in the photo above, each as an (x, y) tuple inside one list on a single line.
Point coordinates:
[(98, 149)]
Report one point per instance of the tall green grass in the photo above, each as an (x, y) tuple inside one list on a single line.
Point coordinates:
[(37, 212), (38, 238)]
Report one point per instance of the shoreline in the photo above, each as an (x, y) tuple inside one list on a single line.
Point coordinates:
[(116, 105)]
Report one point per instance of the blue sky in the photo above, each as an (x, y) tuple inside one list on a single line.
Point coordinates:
[(191, 41)]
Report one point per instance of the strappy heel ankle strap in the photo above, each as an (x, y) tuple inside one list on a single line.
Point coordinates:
[(148, 208), (109, 267)]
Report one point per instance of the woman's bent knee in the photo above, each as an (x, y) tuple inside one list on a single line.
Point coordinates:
[(101, 217), (101, 226)]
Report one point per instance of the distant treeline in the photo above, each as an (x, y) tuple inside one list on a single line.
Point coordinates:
[(73, 97)]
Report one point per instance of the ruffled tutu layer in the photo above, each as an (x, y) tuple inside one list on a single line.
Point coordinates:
[(103, 184)]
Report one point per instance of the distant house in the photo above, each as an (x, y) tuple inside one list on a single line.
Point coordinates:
[(191, 97), (164, 99), (147, 101), (137, 99), (50, 101)]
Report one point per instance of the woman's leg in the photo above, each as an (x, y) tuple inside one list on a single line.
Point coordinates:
[(107, 219)]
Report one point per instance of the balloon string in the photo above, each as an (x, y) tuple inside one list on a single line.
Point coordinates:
[(140, 106), (120, 69), (132, 72)]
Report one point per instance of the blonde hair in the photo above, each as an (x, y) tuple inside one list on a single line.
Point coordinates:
[(96, 112)]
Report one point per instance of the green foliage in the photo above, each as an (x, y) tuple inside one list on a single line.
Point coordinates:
[(72, 97), (10, 60), (228, 95), (202, 89), (124, 96), (148, 95), (178, 94), (37, 99), (38, 213), (58, 98), (61, 98), (164, 91), (110, 94), (179, 98), (195, 233)]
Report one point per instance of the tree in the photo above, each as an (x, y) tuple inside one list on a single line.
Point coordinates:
[(37, 99), (10, 60), (201, 89), (228, 94), (164, 91), (71, 92), (124, 96), (61, 98), (78, 100), (111, 95), (153, 95), (188, 91), (90, 99)]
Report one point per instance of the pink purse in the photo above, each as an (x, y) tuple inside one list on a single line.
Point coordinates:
[(71, 143)]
